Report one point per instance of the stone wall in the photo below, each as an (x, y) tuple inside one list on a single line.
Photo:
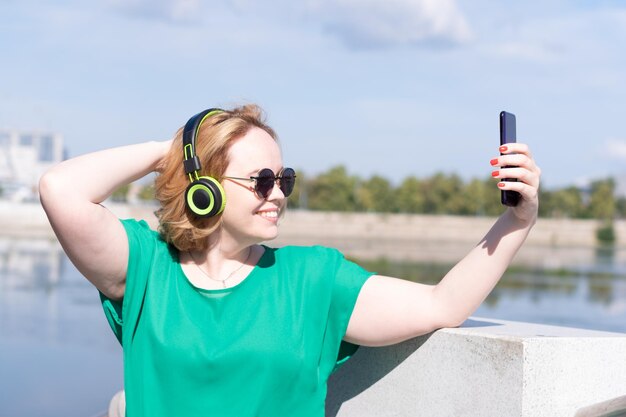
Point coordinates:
[(553, 243)]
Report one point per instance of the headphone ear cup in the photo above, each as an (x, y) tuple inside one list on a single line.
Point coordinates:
[(205, 197)]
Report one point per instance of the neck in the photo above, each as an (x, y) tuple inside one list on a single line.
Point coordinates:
[(219, 263), (224, 255)]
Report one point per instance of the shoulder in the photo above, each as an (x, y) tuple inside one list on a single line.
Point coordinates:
[(140, 229), (142, 238), (137, 226)]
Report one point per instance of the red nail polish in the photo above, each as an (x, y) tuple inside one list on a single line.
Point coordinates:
[(501, 184), (495, 173), (494, 161), (503, 148)]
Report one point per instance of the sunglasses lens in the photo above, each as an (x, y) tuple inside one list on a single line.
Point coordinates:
[(265, 182), (266, 179), (288, 181)]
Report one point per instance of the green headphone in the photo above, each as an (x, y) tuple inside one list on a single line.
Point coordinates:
[(205, 196)]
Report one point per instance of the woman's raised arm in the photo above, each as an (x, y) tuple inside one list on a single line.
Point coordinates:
[(92, 237), (390, 310)]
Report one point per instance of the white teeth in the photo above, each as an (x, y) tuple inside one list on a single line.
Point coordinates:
[(269, 214)]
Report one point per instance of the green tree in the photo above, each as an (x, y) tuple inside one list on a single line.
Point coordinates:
[(481, 197), (147, 193), (446, 194), (564, 202), (333, 190), (602, 200), (620, 207), (298, 197), (410, 196), (545, 203), (494, 199), (376, 195), (605, 234), (121, 194), (443, 194), (475, 194)]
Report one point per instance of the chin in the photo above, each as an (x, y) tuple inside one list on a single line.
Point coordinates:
[(263, 235), (271, 236)]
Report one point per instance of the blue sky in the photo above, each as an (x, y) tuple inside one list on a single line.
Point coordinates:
[(389, 87)]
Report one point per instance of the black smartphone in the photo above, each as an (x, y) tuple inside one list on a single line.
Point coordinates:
[(508, 135)]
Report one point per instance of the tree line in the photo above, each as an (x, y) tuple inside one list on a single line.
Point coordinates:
[(441, 193)]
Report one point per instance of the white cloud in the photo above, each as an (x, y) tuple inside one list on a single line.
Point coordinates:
[(616, 148), (381, 23), (357, 23)]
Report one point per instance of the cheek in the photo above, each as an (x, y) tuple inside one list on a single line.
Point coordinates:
[(235, 195), (239, 202)]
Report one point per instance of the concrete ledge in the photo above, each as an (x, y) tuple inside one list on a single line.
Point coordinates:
[(485, 368)]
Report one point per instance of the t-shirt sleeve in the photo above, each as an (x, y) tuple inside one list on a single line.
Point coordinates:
[(141, 243), (349, 279)]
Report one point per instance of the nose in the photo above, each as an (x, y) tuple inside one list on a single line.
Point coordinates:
[(276, 193)]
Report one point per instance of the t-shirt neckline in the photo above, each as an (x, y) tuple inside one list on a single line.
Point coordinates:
[(228, 290)]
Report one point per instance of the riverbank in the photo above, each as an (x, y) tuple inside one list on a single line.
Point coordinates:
[(553, 243)]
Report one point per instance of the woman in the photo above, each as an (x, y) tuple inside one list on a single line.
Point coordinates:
[(214, 323)]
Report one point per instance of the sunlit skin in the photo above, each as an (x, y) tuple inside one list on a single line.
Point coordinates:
[(243, 222), (388, 310)]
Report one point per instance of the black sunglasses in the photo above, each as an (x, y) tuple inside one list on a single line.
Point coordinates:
[(264, 182)]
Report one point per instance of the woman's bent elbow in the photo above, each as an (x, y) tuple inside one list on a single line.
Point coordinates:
[(47, 185), (450, 318)]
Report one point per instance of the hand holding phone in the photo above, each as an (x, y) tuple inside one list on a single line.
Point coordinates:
[(508, 135)]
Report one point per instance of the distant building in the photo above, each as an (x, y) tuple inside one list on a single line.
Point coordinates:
[(24, 157)]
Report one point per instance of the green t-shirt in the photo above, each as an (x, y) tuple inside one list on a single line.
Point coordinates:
[(264, 347)]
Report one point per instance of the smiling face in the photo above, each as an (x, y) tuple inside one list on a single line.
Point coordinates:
[(248, 219)]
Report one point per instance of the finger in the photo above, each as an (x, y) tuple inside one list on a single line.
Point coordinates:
[(521, 174), (528, 192), (519, 160), (510, 148)]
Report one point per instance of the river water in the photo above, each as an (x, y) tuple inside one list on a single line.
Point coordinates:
[(58, 356)]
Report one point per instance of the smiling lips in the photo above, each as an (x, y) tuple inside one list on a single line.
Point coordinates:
[(271, 215)]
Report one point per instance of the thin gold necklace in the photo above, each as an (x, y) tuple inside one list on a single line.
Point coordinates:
[(223, 281)]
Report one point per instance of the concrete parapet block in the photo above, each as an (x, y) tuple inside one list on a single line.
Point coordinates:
[(484, 368)]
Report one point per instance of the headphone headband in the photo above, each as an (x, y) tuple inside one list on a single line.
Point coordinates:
[(204, 196), (191, 161)]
